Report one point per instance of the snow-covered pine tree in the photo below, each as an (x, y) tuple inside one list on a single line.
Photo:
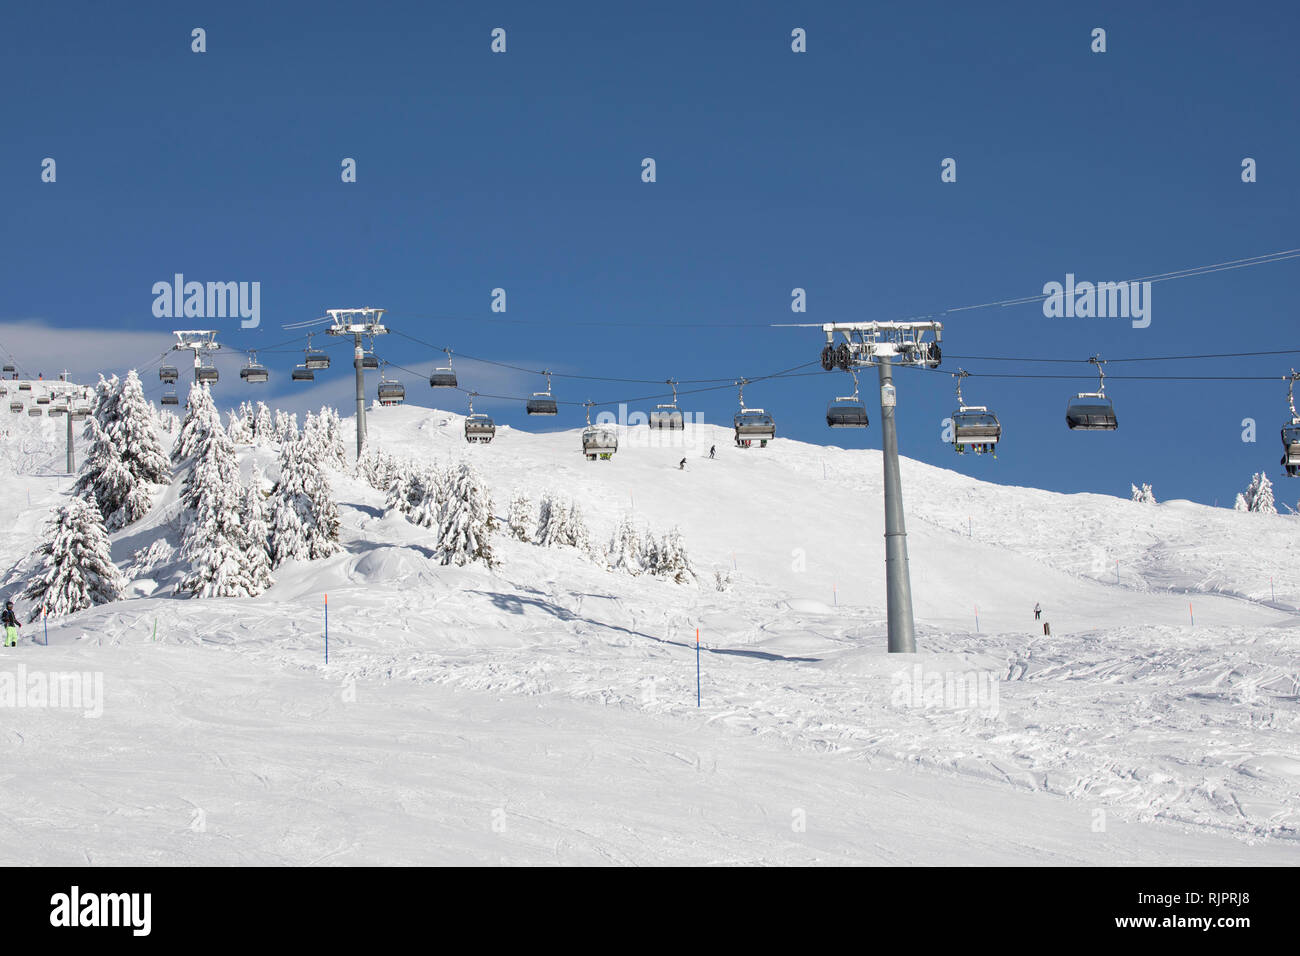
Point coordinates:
[(104, 480), (578, 536), (305, 517), (624, 553), (1241, 504), (336, 450), (314, 438), (323, 532), (427, 493), (466, 522), (1143, 495), (520, 518), (217, 544), (257, 531), (1259, 496), (133, 430), (103, 407), (263, 425), (168, 422), (673, 561), (237, 428), (552, 521), (399, 493), (286, 426), (376, 468), (201, 417), (77, 569), (651, 551)]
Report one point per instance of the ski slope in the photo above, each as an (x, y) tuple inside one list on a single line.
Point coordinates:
[(545, 711)]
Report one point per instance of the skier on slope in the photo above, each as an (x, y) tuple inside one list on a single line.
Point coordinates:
[(713, 450), (10, 622), (682, 464), (1038, 611)]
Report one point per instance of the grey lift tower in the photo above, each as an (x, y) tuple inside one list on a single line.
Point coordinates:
[(885, 344), (356, 323)]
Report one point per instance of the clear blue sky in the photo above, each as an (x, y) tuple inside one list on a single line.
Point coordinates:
[(775, 170)]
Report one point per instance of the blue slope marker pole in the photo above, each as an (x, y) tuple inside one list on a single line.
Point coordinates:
[(697, 667), (327, 629)]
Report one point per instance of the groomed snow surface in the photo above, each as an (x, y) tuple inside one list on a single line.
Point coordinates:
[(545, 711)]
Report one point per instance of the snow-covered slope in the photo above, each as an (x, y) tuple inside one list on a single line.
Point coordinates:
[(546, 710)]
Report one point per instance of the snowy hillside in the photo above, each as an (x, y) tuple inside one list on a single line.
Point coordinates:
[(545, 710)]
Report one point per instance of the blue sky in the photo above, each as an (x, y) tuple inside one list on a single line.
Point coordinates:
[(775, 170)]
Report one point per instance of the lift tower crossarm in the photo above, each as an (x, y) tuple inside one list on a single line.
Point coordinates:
[(356, 323)]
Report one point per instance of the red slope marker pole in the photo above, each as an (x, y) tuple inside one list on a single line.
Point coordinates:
[(327, 629)]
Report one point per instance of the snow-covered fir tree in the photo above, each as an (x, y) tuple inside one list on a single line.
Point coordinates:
[(672, 560), (263, 425), (201, 417), (1143, 495), (286, 426), (578, 535), (624, 552), (336, 450), (520, 517), (376, 468), (106, 481), (650, 552), (103, 407), (77, 569), (217, 544), (238, 427), (427, 493), (133, 430), (1259, 495), (552, 521), (304, 516), (1240, 504), (465, 521), (257, 529)]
